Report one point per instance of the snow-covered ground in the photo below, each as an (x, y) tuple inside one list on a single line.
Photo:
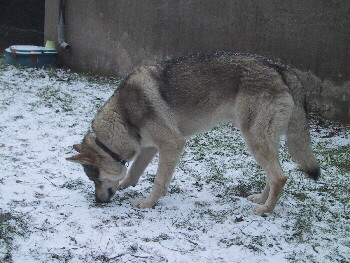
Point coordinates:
[(47, 209)]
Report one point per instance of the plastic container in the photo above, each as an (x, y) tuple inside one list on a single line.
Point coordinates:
[(30, 56)]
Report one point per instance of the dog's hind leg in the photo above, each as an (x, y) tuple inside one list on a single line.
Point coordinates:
[(261, 198), (138, 167), (262, 136), (267, 158)]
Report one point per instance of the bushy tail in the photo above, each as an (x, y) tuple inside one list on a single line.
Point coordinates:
[(299, 144), (298, 135)]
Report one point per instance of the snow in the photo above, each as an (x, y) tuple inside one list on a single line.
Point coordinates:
[(203, 218)]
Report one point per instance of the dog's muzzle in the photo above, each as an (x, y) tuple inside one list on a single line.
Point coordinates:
[(106, 197)]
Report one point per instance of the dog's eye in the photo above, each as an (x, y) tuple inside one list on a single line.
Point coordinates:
[(92, 172), (96, 181)]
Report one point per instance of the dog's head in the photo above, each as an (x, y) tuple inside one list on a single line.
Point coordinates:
[(100, 167)]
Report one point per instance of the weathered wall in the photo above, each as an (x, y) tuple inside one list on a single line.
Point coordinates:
[(112, 37)]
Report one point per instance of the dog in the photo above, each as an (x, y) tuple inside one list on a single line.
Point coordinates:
[(156, 108)]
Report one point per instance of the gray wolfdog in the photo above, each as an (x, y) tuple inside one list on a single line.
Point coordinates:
[(156, 108)]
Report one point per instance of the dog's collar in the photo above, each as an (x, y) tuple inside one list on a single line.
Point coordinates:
[(115, 156)]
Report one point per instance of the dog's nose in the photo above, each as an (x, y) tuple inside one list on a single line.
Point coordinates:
[(106, 197), (98, 200), (110, 192)]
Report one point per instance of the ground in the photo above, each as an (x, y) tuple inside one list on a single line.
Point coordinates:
[(48, 213)]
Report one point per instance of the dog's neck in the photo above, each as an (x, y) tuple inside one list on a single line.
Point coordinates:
[(109, 127), (114, 155)]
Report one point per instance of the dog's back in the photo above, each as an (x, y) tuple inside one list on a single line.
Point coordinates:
[(202, 90)]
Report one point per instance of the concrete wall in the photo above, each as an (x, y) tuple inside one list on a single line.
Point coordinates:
[(112, 37)]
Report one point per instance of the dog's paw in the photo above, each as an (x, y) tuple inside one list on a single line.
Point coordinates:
[(256, 198), (262, 209), (143, 203), (125, 183)]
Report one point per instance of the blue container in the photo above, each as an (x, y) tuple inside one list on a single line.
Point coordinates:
[(30, 56)]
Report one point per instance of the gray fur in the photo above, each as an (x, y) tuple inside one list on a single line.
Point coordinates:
[(157, 108)]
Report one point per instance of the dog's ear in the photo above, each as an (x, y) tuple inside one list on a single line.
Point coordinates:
[(77, 147), (82, 158)]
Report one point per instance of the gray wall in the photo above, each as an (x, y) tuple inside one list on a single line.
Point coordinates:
[(113, 36)]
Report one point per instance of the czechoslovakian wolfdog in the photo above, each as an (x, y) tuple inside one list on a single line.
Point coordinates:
[(156, 108)]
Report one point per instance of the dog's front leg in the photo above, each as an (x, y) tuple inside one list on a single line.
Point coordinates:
[(169, 156), (138, 167)]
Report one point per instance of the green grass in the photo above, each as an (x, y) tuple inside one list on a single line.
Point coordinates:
[(51, 97), (11, 225), (339, 158)]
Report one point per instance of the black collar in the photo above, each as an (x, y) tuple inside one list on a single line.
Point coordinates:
[(115, 156)]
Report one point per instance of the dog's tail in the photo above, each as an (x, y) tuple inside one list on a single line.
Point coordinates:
[(298, 135)]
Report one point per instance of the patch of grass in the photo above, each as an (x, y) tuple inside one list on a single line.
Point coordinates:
[(339, 157), (241, 188), (256, 244), (188, 224), (222, 151), (201, 204), (175, 189), (74, 184), (11, 225), (216, 174), (103, 80), (18, 117), (303, 226), (157, 239), (229, 242), (133, 248), (217, 216), (54, 97)]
